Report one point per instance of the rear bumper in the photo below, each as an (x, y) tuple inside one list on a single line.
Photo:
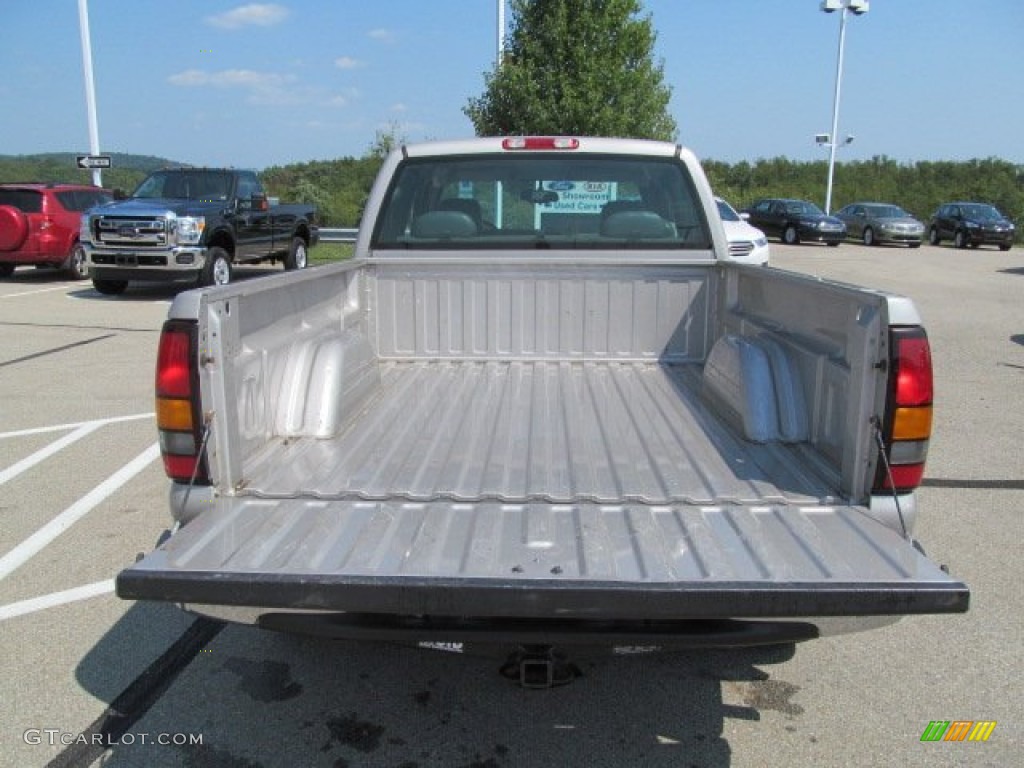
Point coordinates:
[(629, 637)]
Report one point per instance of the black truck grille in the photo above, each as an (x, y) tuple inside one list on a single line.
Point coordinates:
[(134, 232)]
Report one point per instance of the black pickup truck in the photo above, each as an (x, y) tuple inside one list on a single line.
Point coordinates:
[(193, 224)]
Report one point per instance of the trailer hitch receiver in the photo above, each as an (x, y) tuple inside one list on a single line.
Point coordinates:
[(539, 667)]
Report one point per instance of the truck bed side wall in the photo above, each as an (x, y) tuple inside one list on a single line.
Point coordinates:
[(835, 336), (275, 361)]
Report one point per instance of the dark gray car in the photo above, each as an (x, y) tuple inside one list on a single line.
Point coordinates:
[(795, 221), (881, 223), (971, 225)]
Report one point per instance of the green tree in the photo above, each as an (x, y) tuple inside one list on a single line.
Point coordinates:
[(576, 67), (385, 140), (306, 191)]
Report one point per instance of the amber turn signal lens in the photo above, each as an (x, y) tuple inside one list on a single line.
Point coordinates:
[(172, 413), (912, 423)]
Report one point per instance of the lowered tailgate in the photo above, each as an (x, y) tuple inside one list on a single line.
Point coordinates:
[(537, 560)]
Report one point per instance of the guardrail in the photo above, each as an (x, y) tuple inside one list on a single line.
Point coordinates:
[(332, 235)]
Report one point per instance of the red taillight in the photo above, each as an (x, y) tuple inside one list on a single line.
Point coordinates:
[(173, 372), (540, 142), (913, 371), (908, 415), (177, 410), (904, 477), (180, 468)]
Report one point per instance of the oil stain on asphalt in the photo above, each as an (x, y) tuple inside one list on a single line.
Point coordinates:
[(264, 681)]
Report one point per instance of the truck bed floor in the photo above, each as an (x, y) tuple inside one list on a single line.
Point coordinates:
[(606, 432)]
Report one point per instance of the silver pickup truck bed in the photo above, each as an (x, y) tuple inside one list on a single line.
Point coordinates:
[(588, 488)]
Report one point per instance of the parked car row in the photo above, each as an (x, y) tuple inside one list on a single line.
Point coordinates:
[(966, 224), (40, 226)]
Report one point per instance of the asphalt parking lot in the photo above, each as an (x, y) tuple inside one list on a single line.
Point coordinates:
[(82, 492)]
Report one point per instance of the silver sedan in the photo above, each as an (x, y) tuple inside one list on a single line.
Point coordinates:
[(881, 223)]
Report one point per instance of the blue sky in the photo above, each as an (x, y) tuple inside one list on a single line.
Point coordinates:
[(217, 82)]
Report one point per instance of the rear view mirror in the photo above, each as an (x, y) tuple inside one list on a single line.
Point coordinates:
[(538, 196)]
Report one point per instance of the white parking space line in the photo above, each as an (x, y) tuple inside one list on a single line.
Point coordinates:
[(33, 293), (54, 599), (25, 551), (44, 453), (75, 425)]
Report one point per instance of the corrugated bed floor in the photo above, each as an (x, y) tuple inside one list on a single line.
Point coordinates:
[(539, 431)]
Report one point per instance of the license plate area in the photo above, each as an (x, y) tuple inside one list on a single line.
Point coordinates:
[(127, 260)]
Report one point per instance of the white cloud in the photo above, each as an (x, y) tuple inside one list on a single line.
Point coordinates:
[(381, 35), (399, 107), (230, 78), (189, 77), (336, 101), (347, 62), (254, 14), (268, 88)]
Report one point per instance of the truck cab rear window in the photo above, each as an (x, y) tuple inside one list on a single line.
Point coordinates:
[(186, 185), (541, 201)]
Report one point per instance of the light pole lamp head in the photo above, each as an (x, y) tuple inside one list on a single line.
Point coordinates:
[(859, 7), (822, 138)]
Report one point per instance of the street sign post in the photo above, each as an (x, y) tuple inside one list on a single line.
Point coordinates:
[(89, 162)]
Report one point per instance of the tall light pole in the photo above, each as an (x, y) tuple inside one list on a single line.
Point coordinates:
[(858, 7), (501, 30), (90, 90), (499, 213)]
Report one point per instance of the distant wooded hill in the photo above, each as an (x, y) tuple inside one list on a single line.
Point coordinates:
[(126, 170), (339, 187)]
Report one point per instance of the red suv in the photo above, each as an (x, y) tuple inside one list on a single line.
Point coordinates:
[(39, 225)]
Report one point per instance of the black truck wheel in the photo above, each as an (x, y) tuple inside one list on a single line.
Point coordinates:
[(77, 264), (296, 258), (217, 270), (109, 287)]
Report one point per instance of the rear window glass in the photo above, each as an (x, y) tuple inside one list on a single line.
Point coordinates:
[(26, 200), (209, 186), (483, 202)]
